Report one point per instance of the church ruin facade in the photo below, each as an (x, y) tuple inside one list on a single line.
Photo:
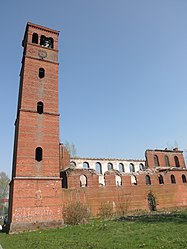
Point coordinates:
[(44, 177)]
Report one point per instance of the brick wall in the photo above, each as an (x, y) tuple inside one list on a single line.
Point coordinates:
[(167, 195), (161, 154)]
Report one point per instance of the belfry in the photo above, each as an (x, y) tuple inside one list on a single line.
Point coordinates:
[(35, 188)]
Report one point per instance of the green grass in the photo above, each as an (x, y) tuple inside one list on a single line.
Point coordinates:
[(146, 231)]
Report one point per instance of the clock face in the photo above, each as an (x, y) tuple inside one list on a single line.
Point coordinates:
[(42, 54)]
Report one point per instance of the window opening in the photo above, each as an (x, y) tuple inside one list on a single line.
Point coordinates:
[(133, 180), (121, 167), (183, 178), (35, 38), (148, 180), (41, 73), (118, 180), (156, 162), (110, 166), (176, 161), (72, 165), (160, 179), (63, 176), (38, 154), (40, 107), (83, 181), (46, 42), (173, 181), (142, 166), (85, 165), (131, 167), (166, 158), (98, 168)]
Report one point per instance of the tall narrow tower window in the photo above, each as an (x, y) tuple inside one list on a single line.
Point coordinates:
[(156, 162), (41, 73), (176, 161), (38, 154), (148, 180), (184, 179), (160, 179), (40, 108), (173, 181), (166, 158), (35, 38)]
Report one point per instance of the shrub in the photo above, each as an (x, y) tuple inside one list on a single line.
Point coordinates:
[(76, 213), (105, 211), (151, 201), (123, 204)]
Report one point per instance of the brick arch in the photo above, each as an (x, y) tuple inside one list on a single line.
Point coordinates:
[(173, 180), (35, 38), (83, 181)]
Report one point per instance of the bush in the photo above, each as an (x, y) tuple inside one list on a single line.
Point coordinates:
[(105, 211), (123, 204), (76, 213), (151, 201)]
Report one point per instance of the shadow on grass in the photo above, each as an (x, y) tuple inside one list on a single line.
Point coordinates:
[(156, 217)]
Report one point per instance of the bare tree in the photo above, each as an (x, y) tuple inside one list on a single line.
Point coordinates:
[(4, 185), (71, 149), (4, 189)]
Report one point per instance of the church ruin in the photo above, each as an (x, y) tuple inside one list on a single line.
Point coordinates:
[(44, 177)]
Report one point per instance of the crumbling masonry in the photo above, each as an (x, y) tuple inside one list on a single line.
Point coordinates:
[(45, 179)]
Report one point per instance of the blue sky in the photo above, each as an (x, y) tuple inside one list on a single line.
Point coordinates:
[(122, 73)]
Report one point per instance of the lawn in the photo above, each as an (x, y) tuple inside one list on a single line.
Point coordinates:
[(147, 231)]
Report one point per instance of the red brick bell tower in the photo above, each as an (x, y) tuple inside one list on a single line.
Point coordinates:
[(35, 189)]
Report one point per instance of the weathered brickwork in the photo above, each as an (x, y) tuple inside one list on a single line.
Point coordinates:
[(132, 195), (44, 177), (161, 158), (35, 196)]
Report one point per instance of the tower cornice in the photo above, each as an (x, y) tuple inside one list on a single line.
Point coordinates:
[(42, 28)]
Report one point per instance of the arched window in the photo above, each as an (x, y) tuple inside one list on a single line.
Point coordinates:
[(173, 181), (83, 181), (121, 167), (148, 180), (109, 166), (166, 158), (142, 166), (131, 167), (38, 154), (46, 42), (40, 108), (133, 180), (156, 162), (176, 161), (51, 41), (118, 180), (35, 38), (160, 179), (41, 73), (85, 165), (72, 164), (184, 178), (98, 168), (64, 179)]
